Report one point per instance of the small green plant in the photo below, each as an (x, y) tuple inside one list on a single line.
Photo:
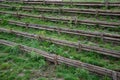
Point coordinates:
[(3, 22), (5, 66), (15, 50)]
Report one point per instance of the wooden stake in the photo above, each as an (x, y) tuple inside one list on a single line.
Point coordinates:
[(43, 17), (18, 15), (106, 4), (44, 2), (60, 11), (97, 13), (27, 24), (71, 3), (58, 31), (75, 18), (114, 75), (79, 46), (102, 36), (55, 60)]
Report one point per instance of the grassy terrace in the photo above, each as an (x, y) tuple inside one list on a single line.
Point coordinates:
[(23, 66), (66, 15), (65, 6), (60, 23), (68, 37), (89, 57), (19, 65)]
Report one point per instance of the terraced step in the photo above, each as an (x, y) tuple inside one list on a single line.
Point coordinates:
[(58, 59)]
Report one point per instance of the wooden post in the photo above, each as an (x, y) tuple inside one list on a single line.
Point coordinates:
[(102, 36), (75, 18), (43, 17), (106, 4), (58, 31), (97, 13), (44, 2), (114, 75), (71, 3), (60, 11), (18, 15), (34, 9), (27, 24), (79, 46), (56, 60)]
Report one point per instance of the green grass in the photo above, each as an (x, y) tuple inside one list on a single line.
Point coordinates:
[(62, 36), (64, 6), (67, 15), (89, 57), (19, 65), (61, 24), (53, 48)]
